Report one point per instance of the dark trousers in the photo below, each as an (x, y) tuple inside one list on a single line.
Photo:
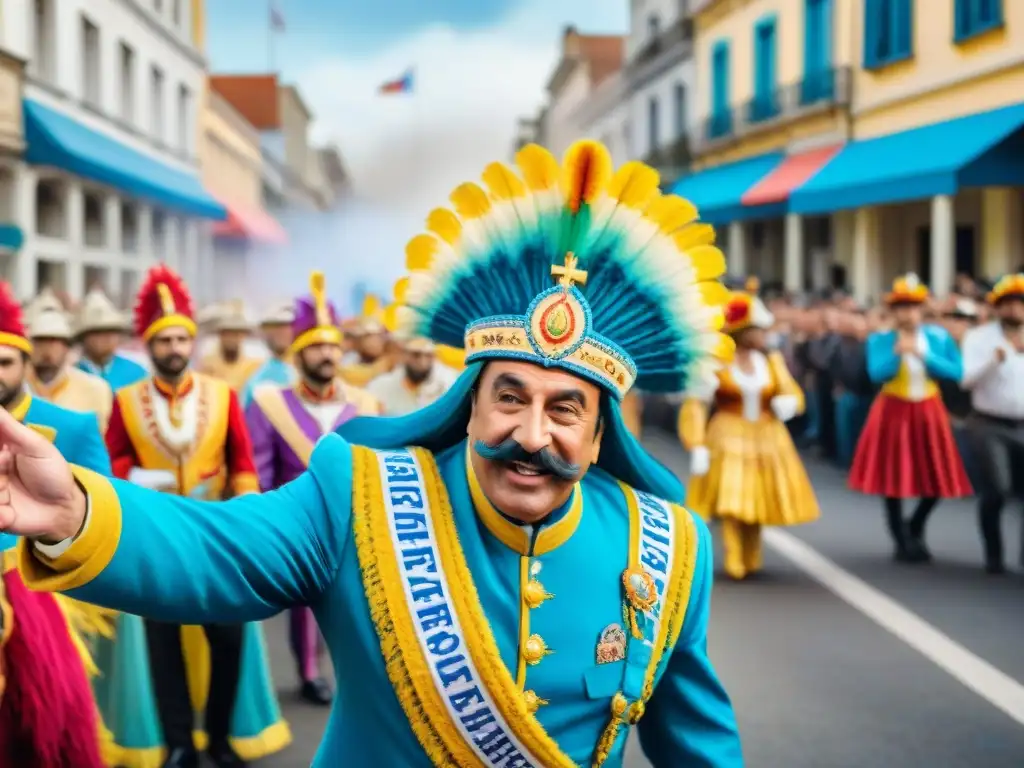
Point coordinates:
[(997, 472), (167, 667)]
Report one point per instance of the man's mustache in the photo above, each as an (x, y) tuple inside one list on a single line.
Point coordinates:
[(544, 459)]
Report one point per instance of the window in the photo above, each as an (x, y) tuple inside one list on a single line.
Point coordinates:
[(975, 17), (90, 71), (156, 106), (43, 64), (679, 109), (653, 26), (653, 137), (765, 102), (127, 84), (184, 118), (888, 32), (721, 116), (818, 80)]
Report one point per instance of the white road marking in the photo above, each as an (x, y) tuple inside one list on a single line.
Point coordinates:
[(996, 687)]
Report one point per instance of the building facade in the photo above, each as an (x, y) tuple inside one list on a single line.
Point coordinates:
[(12, 145), (845, 141), (605, 115), (109, 179), (659, 75)]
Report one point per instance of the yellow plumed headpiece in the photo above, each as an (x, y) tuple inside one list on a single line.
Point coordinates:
[(1008, 287)]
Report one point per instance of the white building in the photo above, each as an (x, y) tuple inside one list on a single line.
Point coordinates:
[(605, 115), (660, 78), (109, 180)]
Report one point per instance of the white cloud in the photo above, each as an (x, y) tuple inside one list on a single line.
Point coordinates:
[(407, 152)]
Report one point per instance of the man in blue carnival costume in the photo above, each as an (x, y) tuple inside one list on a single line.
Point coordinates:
[(518, 598)]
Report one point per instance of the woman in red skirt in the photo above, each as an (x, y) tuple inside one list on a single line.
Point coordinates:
[(907, 448)]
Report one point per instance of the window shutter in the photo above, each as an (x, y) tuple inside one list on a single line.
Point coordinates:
[(871, 9), (904, 28)]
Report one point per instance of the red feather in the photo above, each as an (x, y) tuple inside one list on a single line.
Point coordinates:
[(736, 311), (12, 319), (148, 306)]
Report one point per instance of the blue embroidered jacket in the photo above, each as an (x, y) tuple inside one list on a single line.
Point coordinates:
[(257, 555)]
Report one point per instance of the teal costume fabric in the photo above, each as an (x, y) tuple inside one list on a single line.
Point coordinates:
[(273, 371), (244, 560), (118, 373)]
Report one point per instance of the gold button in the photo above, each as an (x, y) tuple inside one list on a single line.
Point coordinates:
[(535, 649), (535, 594), (533, 701)]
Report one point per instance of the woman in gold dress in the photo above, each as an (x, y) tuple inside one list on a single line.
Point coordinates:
[(744, 468)]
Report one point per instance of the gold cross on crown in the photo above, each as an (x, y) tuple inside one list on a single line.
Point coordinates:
[(568, 274)]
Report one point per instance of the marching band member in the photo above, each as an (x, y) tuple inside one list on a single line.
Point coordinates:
[(907, 448), (370, 344), (99, 330), (993, 374), (444, 562), (744, 468), (228, 361), (184, 434), (286, 422), (276, 327)]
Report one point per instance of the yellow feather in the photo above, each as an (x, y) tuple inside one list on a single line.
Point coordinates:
[(391, 317), (420, 252), (401, 290), (445, 225), (470, 201), (371, 305), (635, 185), (694, 235), (585, 172), (671, 212), (714, 293), (540, 168), (708, 262), (502, 182), (725, 348)]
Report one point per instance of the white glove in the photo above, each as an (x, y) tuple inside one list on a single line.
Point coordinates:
[(153, 479), (785, 406), (700, 461)]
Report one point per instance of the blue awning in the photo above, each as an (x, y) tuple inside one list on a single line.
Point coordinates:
[(718, 191), (980, 150), (54, 139), (11, 237)]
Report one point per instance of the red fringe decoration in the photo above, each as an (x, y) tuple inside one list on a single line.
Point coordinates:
[(12, 319), (148, 306), (48, 715)]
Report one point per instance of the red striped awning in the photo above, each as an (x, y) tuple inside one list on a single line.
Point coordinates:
[(791, 174), (249, 223)]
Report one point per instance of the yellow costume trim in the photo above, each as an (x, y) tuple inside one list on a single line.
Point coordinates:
[(170, 321), (271, 740), (673, 613), (516, 537), (406, 666), (328, 335), (16, 341), (20, 411), (89, 554), (272, 403), (244, 482)]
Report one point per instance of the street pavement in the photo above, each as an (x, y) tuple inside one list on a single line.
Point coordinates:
[(815, 680)]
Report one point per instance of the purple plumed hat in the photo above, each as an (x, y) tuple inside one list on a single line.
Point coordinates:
[(315, 321)]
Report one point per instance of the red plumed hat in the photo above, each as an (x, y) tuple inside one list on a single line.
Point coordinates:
[(163, 302), (12, 321)]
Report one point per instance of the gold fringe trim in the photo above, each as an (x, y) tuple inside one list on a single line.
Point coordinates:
[(269, 741)]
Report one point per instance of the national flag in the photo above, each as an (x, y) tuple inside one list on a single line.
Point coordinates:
[(276, 19), (403, 84)]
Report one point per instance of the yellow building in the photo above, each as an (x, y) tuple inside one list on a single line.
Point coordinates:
[(845, 141)]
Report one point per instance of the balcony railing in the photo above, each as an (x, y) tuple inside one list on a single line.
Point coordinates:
[(672, 160), (663, 51), (815, 94)]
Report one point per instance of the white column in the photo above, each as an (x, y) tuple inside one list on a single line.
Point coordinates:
[(943, 244), (793, 273), (736, 258), (865, 254), (74, 226), (1002, 233), (24, 214)]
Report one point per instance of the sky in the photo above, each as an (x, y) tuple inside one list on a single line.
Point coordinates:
[(478, 65)]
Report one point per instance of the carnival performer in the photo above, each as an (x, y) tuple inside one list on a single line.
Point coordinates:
[(184, 434), (52, 377), (276, 327), (286, 422), (513, 537), (907, 448), (416, 382), (370, 345), (744, 468), (994, 375), (48, 718), (100, 330), (228, 360)]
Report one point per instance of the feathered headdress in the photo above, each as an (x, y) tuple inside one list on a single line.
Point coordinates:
[(391, 318), (1008, 287), (744, 310), (163, 302), (12, 321), (371, 318), (315, 321), (579, 267), (907, 290)]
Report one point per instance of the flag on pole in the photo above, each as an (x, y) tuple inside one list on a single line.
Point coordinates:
[(403, 84), (276, 19)]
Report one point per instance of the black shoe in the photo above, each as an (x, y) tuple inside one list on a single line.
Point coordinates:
[(225, 757), (182, 757), (918, 549), (995, 567), (316, 692)]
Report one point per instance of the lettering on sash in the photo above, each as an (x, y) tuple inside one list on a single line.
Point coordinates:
[(436, 624), (656, 552)]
